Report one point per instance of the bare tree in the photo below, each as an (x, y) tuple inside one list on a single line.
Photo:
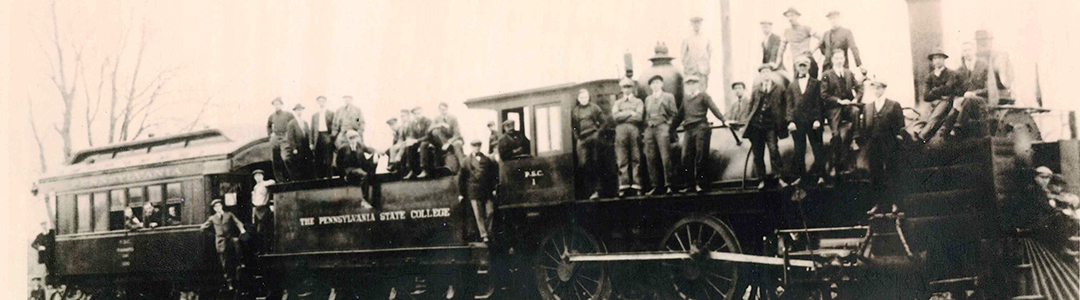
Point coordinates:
[(65, 87), (37, 137)]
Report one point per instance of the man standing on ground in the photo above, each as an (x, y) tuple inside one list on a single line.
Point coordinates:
[(227, 229), (587, 120), (660, 111), (695, 142), (628, 113), (697, 53), (276, 126)]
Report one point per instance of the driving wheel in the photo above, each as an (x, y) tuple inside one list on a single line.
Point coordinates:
[(557, 278), (699, 277)]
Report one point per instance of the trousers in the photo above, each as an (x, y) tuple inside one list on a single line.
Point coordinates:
[(760, 139), (939, 109), (588, 160), (841, 119), (324, 154), (658, 155), (280, 171), (628, 155), (804, 131), (695, 148)]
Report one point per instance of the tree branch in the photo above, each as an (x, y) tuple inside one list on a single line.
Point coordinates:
[(33, 130)]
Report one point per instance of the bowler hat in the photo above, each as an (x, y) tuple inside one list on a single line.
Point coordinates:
[(298, 107), (738, 83), (791, 10), (764, 67), (656, 77), (937, 51)]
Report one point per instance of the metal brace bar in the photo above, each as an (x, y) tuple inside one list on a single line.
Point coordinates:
[(724, 256)]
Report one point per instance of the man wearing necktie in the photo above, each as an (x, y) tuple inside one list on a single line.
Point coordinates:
[(766, 124), (840, 92), (881, 142), (322, 142), (297, 149), (805, 112)]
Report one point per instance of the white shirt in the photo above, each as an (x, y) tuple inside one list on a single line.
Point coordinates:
[(937, 72), (878, 103), (259, 196), (802, 83), (320, 121), (970, 64)]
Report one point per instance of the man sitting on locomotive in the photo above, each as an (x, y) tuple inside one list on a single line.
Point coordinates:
[(356, 161), (941, 86), (587, 120), (476, 182), (226, 238), (419, 152), (446, 139), (513, 144), (840, 91), (884, 122)]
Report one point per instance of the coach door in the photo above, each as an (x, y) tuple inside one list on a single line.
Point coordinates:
[(235, 191)]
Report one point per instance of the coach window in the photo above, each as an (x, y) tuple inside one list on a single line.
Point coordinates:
[(85, 213), (136, 199), (156, 194), (116, 209), (101, 211), (65, 214), (548, 128), (174, 198)]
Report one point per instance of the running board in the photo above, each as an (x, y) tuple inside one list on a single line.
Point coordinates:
[(714, 255)]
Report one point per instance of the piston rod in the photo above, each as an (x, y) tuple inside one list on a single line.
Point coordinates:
[(714, 255)]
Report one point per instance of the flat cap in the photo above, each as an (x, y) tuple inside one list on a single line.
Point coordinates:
[(766, 22), (791, 10), (391, 121), (832, 14), (508, 122), (216, 202), (656, 77), (257, 171), (352, 133), (476, 142), (626, 82), (695, 19), (802, 59), (1043, 170), (764, 67), (415, 109), (691, 78), (1057, 179), (276, 100)]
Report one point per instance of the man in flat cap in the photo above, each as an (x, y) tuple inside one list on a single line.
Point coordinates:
[(322, 142), (446, 139), (838, 39), (695, 143), (587, 120), (739, 111), (297, 149), (227, 229), (513, 144), (805, 114), (419, 152), (356, 161), (942, 84), (348, 117), (770, 47), (697, 53), (261, 214), (276, 126), (476, 182), (841, 92), (628, 113), (801, 38), (766, 125), (881, 143), (660, 111)]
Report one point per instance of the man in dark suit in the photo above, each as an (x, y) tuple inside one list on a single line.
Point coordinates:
[(770, 47), (227, 229), (355, 160), (840, 92), (969, 113), (881, 142), (941, 86), (587, 121), (322, 141), (477, 180), (513, 144), (297, 148), (806, 113), (276, 125), (838, 40), (766, 124), (419, 154)]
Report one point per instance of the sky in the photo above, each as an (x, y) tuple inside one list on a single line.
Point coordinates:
[(398, 54)]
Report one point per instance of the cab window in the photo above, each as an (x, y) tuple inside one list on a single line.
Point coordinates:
[(548, 128)]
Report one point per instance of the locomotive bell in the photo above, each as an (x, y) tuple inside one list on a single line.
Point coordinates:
[(661, 65)]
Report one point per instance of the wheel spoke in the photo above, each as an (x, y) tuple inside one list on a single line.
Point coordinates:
[(584, 289), (700, 228), (689, 237), (717, 289), (681, 246), (719, 276), (706, 244), (576, 293)]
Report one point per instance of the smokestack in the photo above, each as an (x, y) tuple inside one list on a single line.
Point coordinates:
[(924, 19)]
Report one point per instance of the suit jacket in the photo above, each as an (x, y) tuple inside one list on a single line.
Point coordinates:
[(296, 138), (514, 144), (349, 159), (883, 126), (327, 121), (771, 49), (835, 88), (418, 128), (773, 102), (478, 177), (840, 39), (226, 226), (347, 118), (807, 106), (941, 86), (972, 80)]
